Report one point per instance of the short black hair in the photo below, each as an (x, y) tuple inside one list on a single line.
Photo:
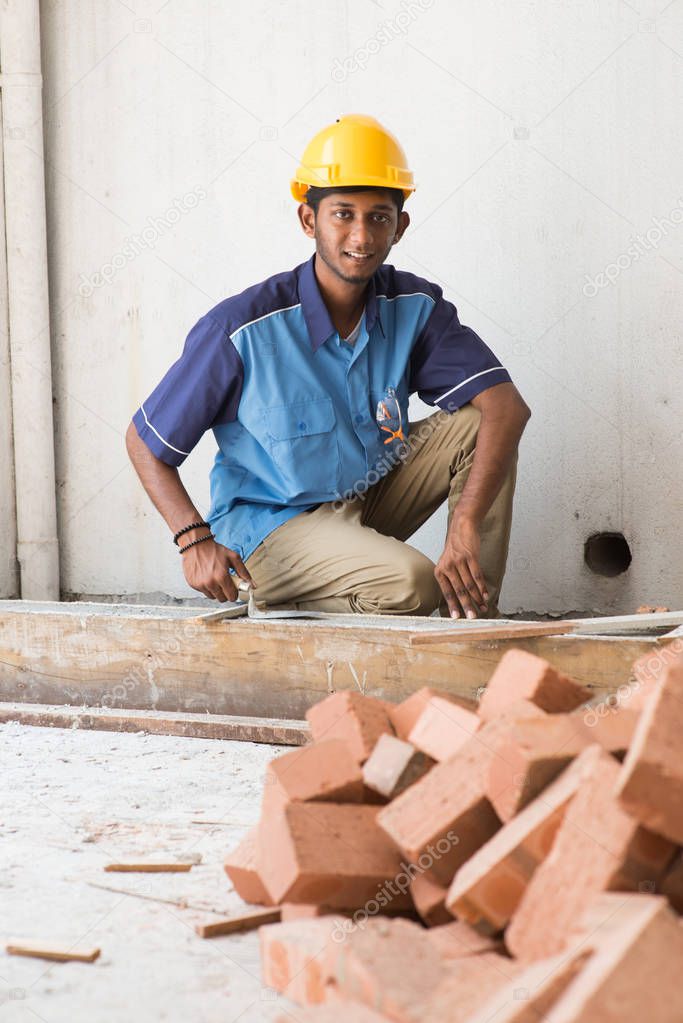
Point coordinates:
[(314, 194)]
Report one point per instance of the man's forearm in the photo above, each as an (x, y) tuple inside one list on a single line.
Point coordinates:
[(206, 565), (163, 486), (498, 437)]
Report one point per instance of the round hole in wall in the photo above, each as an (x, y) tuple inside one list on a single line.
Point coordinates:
[(607, 554)]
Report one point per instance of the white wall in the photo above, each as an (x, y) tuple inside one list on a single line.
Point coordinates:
[(544, 137)]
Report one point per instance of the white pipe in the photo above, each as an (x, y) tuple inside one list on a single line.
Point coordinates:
[(9, 576), (28, 300)]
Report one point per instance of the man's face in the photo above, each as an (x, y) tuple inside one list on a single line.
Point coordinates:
[(354, 232)]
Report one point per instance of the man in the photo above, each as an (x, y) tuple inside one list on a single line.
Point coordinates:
[(319, 478)]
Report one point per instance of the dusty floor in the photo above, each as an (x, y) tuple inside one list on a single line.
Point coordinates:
[(73, 801)]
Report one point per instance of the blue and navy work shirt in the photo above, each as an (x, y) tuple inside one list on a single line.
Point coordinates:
[(293, 407)]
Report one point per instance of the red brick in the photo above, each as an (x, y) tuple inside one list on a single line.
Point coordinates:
[(447, 811), (489, 886), (523, 676), (390, 965), (404, 715), (528, 757), (471, 982), (303, 911), (373, 798), (393, 765), (356, 719), (333, 854), (672, 884), (322, 771), (458, 939), (443, 727), (651, 782), (343, 1012), (610, 724), (428, 896), (530, 996), (598, 847), (648, 670), (240, 866), (444, 817), (293, 957), (634, 973)]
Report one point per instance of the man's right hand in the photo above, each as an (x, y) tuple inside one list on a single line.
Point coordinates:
[(206, 567)]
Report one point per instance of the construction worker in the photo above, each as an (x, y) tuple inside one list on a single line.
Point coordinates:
[(319, 478)]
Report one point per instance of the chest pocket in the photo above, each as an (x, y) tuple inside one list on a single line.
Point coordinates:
[(302, 440)]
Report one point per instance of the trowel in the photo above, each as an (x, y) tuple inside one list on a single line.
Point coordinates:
[(247, 606)]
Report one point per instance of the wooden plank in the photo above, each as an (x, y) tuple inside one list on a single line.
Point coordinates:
[(198, 726), (614, 625), (148, 868), (638, 624), (239, 924), (119, 658), (52, 952), (471, 632)]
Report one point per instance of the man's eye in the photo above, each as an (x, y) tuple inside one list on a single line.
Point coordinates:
[(382, 218), (342, 213)]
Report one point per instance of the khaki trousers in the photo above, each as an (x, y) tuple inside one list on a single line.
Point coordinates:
[(351, 556)]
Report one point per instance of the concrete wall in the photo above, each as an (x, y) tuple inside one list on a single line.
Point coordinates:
[(545, 138)]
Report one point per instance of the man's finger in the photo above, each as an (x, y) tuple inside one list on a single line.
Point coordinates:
[(227, 588), (461, 593), (236, 562), (449, 594), (466, 603), (467, 573)]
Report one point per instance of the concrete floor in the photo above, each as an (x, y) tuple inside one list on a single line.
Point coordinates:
[(73, 801)]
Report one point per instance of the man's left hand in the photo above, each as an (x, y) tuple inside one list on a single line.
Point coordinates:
[(459, 573)]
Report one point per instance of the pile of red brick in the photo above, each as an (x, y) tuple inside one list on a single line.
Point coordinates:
[(513, 861)]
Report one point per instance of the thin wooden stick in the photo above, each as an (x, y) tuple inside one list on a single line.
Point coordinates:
[(234, 924), (149, 868), (52, 952)]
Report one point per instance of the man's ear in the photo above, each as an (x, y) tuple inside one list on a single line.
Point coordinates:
[(306, 219), (403, 221)]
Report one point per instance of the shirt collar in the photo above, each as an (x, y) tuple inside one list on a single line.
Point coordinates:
[(316, 314)]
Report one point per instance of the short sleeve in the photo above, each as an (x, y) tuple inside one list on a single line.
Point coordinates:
[(450, 364), (200, 390)]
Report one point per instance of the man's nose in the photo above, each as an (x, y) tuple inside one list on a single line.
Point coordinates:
[(361, 234)]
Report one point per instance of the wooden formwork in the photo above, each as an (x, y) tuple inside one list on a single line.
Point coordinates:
[(172, 660)]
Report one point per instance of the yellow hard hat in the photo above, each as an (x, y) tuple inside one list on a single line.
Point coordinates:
[(355, 150)]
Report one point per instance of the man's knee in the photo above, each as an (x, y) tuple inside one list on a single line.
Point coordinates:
[(411, 589)]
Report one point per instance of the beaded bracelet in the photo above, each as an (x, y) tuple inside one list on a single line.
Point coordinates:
[(186, 529), (209, 536)]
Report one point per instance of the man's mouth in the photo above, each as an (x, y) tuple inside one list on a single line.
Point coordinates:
[(359, 257)]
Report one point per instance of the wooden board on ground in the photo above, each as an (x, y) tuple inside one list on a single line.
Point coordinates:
[(248, 921), (195, 726), (148, 868), (117, 656), (38, 950)]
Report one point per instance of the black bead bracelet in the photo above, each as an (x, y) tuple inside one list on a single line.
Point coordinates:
[(181, 550), (186, 529)]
